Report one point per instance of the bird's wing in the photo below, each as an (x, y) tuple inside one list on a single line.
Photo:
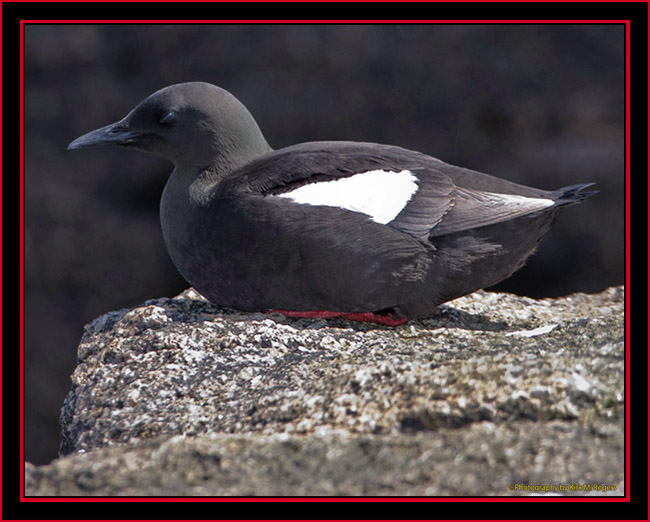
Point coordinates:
[(404, 190), (380, 181)]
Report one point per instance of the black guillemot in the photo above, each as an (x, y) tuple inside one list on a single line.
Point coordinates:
[(358, 230)]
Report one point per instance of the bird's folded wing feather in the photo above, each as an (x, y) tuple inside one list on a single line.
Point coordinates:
[(472, 209)]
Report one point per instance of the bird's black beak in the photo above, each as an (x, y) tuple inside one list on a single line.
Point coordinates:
[(117, 133)]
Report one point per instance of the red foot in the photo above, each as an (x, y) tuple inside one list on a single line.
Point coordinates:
[(364, 317)]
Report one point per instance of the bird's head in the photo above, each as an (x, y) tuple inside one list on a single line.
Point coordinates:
[(191, 124)]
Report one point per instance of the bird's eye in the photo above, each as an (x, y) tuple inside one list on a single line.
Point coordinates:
[(167, 117)]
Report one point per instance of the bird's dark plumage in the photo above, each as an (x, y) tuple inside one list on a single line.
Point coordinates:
[(324, 226)]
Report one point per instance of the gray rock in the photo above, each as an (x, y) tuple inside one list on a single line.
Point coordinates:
[(178, 397), (518, 458)]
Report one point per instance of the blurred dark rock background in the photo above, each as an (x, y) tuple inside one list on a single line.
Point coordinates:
[(541, 105)]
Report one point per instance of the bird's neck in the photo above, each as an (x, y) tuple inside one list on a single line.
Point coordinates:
[(191, 188), (195, 184)]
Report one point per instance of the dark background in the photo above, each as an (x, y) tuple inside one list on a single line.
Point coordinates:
[(542, 105)]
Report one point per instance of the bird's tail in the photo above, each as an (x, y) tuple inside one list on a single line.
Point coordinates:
[(572, 194)]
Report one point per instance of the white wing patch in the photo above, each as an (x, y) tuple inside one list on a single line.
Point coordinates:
[(380, 194)]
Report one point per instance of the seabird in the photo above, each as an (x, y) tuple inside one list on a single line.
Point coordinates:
[(363, 231)]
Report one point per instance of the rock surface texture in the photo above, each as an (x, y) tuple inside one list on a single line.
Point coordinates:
[(495, 395)]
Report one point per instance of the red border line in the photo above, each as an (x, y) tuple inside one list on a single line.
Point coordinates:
[(22, 264), (311, 21), (626, 498)]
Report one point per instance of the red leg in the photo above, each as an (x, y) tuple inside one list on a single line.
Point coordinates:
[(364, 317), (369, 317)]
